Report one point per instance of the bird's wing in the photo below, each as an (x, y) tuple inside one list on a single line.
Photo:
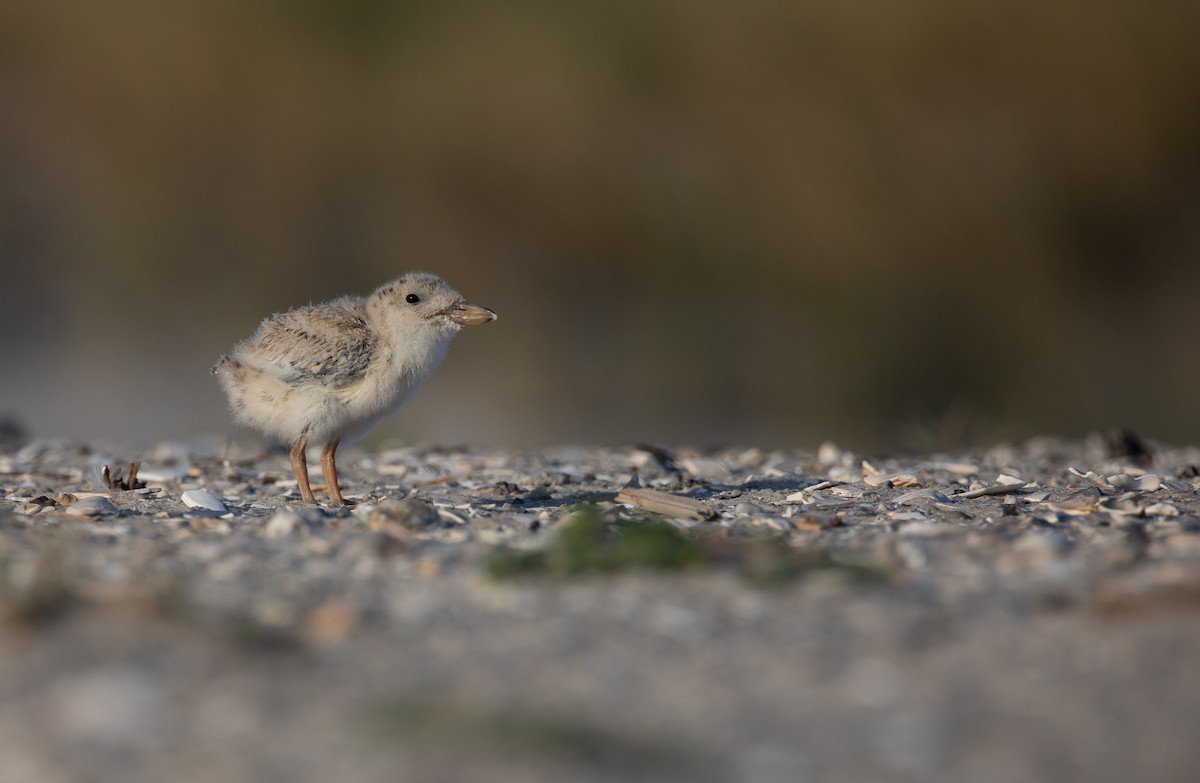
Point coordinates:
[(328, 344)]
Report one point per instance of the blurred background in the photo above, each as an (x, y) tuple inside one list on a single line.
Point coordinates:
[(895, 225)]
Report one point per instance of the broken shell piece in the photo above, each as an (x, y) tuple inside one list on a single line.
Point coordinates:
[(664, 503), (1074, 508), (873, 478), (93, 506), (994, 489), (1095, 479), (1146, 483), (202, 498), (850, 491), (803, 495), (450, 516), (821, 501), (1161, 510)]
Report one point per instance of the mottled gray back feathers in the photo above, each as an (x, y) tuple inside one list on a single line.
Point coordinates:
[(329, 343)]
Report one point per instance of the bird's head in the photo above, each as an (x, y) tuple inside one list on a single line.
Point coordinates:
[(419, 299)]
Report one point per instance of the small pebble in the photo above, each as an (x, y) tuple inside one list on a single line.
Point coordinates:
[(283, 522), (409, 512), (919, 527)]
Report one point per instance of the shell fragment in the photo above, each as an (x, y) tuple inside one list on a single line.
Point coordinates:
[(202, 498)]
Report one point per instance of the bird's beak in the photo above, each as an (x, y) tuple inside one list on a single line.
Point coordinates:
[(465, 314)]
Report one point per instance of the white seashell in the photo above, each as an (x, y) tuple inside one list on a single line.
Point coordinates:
[(202, 498), (1146, 483), (1162, 510), (161, 474), (92, 506), (1150, 482)]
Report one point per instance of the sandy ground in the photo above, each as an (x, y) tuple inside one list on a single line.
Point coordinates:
[(990, 616)]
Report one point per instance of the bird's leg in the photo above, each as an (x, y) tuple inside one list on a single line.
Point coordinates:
[(329, 468), (300, 468)]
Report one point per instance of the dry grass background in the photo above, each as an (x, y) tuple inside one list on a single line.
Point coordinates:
[(915, 224)]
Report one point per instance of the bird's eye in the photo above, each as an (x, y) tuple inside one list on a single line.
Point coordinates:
[(412, 298)]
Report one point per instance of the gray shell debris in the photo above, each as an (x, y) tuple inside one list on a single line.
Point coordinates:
[(846, 615)]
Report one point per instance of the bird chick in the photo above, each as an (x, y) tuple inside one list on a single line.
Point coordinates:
[(329, 372)]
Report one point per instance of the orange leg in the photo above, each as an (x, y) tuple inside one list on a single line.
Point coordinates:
[(329, 468), (300, 468)]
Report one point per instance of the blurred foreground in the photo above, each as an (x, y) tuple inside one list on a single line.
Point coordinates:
[(496, 616)]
